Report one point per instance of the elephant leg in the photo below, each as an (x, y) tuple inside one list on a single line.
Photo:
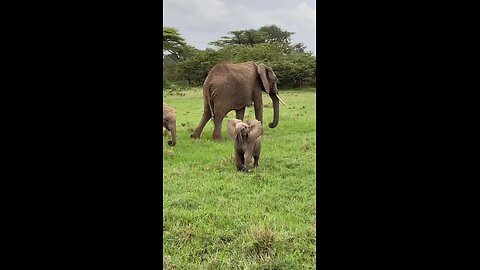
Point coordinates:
[(248, 159), (238, 160), (259, 111), (206, 116), (255, 160), (256, 154), (240, 113), (173, 130), (217, 131)]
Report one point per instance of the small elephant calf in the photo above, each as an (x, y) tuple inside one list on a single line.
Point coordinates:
[(170, 123), (247, 142)]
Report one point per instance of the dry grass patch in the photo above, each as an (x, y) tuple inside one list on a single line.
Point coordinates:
[(263, 239)]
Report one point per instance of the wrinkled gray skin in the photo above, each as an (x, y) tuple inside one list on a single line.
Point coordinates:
[(233, 87), (170, 123), (248, 142)]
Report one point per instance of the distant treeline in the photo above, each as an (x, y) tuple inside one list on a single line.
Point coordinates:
[(270, 45)]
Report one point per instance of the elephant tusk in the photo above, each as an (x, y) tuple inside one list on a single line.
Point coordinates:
[(281, 100)]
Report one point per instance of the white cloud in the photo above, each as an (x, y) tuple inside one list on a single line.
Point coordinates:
[(195, 13), (201, 22)]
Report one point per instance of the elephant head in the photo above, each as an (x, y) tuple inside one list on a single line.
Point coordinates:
[(237, 130), (244, 132), (269, 82)]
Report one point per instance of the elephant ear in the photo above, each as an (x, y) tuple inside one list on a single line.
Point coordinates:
[(256, 129), (231, 128), (262, 71)]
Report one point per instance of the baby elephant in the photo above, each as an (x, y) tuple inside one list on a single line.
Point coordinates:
[(247, 142), (170, 123)]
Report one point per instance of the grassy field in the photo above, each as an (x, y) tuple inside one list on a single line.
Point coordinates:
[(217, 218)]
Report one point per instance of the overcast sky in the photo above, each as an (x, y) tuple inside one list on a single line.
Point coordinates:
[(203, 21)]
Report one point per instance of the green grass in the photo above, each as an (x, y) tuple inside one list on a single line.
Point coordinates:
[(217, 218)]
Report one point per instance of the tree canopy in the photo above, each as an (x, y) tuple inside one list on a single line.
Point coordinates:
[(266, 34), (173, 42)]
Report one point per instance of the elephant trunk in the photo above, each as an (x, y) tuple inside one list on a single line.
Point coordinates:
[(276, 111)]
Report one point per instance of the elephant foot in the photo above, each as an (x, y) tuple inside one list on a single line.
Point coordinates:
[(171, 143), (245, 169), (217, 137), (195, 136)]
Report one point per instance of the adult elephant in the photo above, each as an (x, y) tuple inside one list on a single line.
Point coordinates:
[(234, 86)]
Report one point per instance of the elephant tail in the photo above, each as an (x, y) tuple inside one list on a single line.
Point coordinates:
[(206, 92)]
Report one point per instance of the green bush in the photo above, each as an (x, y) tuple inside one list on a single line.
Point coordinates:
[(293, 68), (166, 83)]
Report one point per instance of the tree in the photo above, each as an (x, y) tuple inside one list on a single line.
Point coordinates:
[(265, 34), (241, 37), (274, 34), (173, 42), (299, 47)]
